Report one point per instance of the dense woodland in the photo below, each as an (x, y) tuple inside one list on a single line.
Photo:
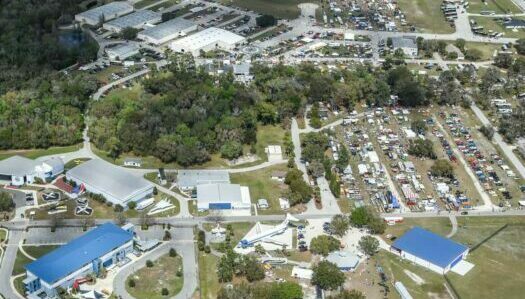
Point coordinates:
[(39, 107)]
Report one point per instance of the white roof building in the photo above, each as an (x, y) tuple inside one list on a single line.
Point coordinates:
[(190, 179), (122, 52), (104, 13), (116, 184), (223, 197), (21, 170), (206, 40), (135, 20), (345, 261), (167, 31)]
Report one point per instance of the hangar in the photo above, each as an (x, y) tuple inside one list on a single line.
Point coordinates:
[(104, 13), (116, 184), (99, 248), (429, 250), (167, 31), (223, 197), (206, 40), (189, 179), (21, 170), (136, 20)]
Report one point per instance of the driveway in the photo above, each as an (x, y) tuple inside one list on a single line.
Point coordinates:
[(184, 245)]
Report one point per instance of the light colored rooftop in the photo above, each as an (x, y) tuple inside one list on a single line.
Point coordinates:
[(192, 178), (111, 179), (206, 37), (343, 259), (219, 193), (168, 28), (135, 19), (106, 10), (17, 166), (122, 50)]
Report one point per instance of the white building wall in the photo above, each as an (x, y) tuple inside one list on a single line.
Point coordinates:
[(422, 262), (166, 38)]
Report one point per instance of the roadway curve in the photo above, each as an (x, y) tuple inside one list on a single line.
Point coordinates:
[(189, 264)]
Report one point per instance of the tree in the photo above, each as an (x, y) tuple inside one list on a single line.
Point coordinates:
[(118, 208), (285, 290), (164, 292), (129, 33), (487, 131), (503, 60), (422, 148), (520, 46), (260, 249), (231, 150), (442, 168), (132, 205), (327, 276), (460, 44), (227, 265), (359, 217), (369, 245), (266, 21), (473, 54), (167, 235), (149, 263), (252, 269), (345, 294), (6, 202), (131, 283), (173, 252), (316, 169), (324, 244), (419, 126), (340, 225), (344, 158)]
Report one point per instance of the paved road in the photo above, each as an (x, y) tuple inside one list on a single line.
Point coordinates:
[(8, 262), (184, 245), (505, 147), (103, 89), (454, 222)]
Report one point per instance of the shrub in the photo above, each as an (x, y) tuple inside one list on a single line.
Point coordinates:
[(149, 263), (173, 252), (131, 283), (165, 292)]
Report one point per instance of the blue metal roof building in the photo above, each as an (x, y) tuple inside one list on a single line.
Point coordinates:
[(429, 250), (100, 247)]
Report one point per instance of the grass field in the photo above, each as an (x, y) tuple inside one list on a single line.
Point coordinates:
[(262, 186), (487, 50), (150, 281), (426, 15), (144, 3), (284, 9), (34, 251), (495, 26), (498, 263), (164, 5), (3, 234), (209, 283), (36, 153), (497, 6)]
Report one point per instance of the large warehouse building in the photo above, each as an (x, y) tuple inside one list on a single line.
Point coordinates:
[(429, 250), (223, 197), (167, 31), (208, 39), (137, 20), (116, 184), (88, 254), (104, 13), (189, 179), (20, 170)]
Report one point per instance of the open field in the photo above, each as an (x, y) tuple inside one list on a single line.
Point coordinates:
[(491, 24), (208, 281), (36, 153), (262, 186), (268, 135), (498, 262), (284, 9), (164, 5), (34, 251), (426, 15), (149, 282), (497, 6), (487, 50)]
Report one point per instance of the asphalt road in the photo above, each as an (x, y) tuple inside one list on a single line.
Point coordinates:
[(185, 247), (8, 262)]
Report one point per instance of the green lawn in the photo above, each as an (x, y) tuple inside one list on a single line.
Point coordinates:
[(34, 251), (426, 15), (487, 50), (19, 284), (284, 9), (497, 6), (496, 26), (3, 234), (164, 4), (499, 263), (262, 186), (150, 281), (74, 163), (209, 283), (36, 153)]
